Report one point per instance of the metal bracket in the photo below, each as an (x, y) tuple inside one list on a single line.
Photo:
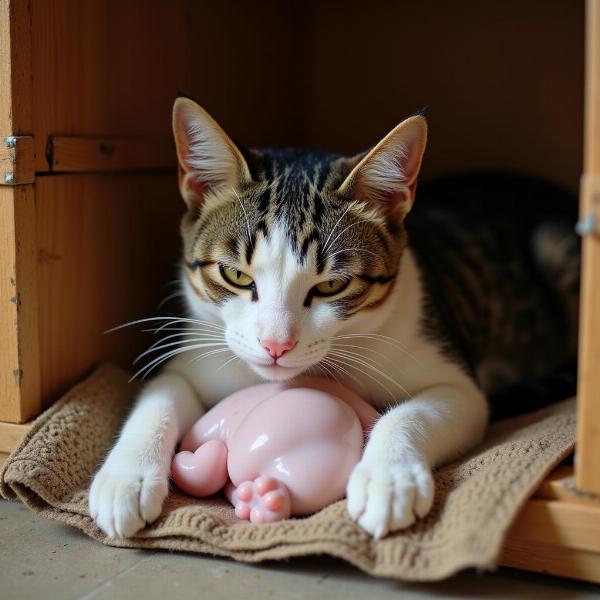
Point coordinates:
[(17, 160), (589, 222), (587, 225)]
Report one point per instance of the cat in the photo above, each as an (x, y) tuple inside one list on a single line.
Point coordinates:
[(297, 261)]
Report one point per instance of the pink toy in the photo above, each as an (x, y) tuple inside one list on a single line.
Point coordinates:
[(279, 449)]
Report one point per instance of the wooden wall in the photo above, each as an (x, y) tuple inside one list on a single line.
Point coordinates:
[(502, 82)]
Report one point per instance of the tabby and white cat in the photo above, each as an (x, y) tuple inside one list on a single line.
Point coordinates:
[(296, 260)]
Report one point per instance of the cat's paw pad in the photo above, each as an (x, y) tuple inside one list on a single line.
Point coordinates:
[(123, 499), (263, 500), (384, 498)]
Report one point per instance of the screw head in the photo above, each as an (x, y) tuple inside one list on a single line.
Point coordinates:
[(587, 225), (9, 178), (11, 141)]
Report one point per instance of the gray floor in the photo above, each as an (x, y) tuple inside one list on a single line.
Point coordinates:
[(41, 559)]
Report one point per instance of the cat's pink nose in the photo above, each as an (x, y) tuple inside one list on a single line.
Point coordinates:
[(277, 349)]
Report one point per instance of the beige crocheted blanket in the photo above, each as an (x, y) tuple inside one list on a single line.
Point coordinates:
[(476, 498)]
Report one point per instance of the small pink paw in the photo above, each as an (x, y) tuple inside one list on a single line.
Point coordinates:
[(263, 500)]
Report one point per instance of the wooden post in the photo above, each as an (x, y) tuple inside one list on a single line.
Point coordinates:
[(588, 411), (19, 351)]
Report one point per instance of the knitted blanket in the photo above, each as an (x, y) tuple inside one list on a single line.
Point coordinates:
[(476, 499)]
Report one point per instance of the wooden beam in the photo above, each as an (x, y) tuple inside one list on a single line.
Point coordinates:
[(588, 409), (560, 485), (19, 352), (591, 157), (11, 435), (15, 67), (551, 560), (83, 154), (560, 537), (559, 523)]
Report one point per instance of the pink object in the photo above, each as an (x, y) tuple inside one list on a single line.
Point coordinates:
[(283, 449)]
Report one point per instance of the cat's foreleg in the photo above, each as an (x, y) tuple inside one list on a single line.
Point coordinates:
[(130, 488), (392, 485)]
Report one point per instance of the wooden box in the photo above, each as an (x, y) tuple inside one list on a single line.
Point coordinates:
[(89, 206)]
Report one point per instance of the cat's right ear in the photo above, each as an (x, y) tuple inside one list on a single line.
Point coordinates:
[(208, 157)]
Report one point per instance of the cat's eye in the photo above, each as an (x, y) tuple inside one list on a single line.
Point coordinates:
[(236, 277), (330, 287)]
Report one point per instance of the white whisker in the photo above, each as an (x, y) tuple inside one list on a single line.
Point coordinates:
[(335, 363), (384, 356), (170, 320), (351, 250), (384, 339), (228, 362), (208, 324), (245, 216), (331, 373), (169, 297), (204, 355), (158, 360), (348, 227), (184, 335), (338, 360), (325, 246), (155, 348), (363, 361)]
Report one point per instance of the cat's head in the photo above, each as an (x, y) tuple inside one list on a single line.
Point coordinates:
[(290, 248)]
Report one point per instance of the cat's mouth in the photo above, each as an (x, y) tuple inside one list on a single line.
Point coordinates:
[(276, 371)]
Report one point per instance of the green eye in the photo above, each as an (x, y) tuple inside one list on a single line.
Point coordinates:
[(236, 277), (330, 287)]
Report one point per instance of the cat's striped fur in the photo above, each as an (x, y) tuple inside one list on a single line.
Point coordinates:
[(363, 246), (429, 310)]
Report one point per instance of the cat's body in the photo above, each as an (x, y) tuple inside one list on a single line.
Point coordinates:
[(299, 261)]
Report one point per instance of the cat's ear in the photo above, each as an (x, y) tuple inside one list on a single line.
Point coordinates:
[(208, 157), (386, 176)]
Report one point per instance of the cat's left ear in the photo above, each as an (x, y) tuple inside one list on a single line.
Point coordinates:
[(208, 157), (386, 176)]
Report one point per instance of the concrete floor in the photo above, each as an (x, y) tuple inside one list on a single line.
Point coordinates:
[(41, 559)]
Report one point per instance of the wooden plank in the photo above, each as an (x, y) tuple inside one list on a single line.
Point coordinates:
[(588, 409), (15, 67), (560, 537), (11, 434), (559, 523), (557, 486), (560, 485), (106, 69), (77, 154), (17, 161), (19, 352), (551, 560), (591, 157), (107, 246), (3, 457), (19, 368)]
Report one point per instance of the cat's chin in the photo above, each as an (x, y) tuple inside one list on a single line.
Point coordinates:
[(276, 372)]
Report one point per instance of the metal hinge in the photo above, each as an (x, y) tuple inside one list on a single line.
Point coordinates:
[(17, 160), (589, 223)]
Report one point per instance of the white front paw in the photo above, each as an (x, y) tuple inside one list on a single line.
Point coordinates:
[(388, 497), (125, 496)]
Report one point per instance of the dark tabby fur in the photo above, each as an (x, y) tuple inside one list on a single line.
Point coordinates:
[(500, 260)]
